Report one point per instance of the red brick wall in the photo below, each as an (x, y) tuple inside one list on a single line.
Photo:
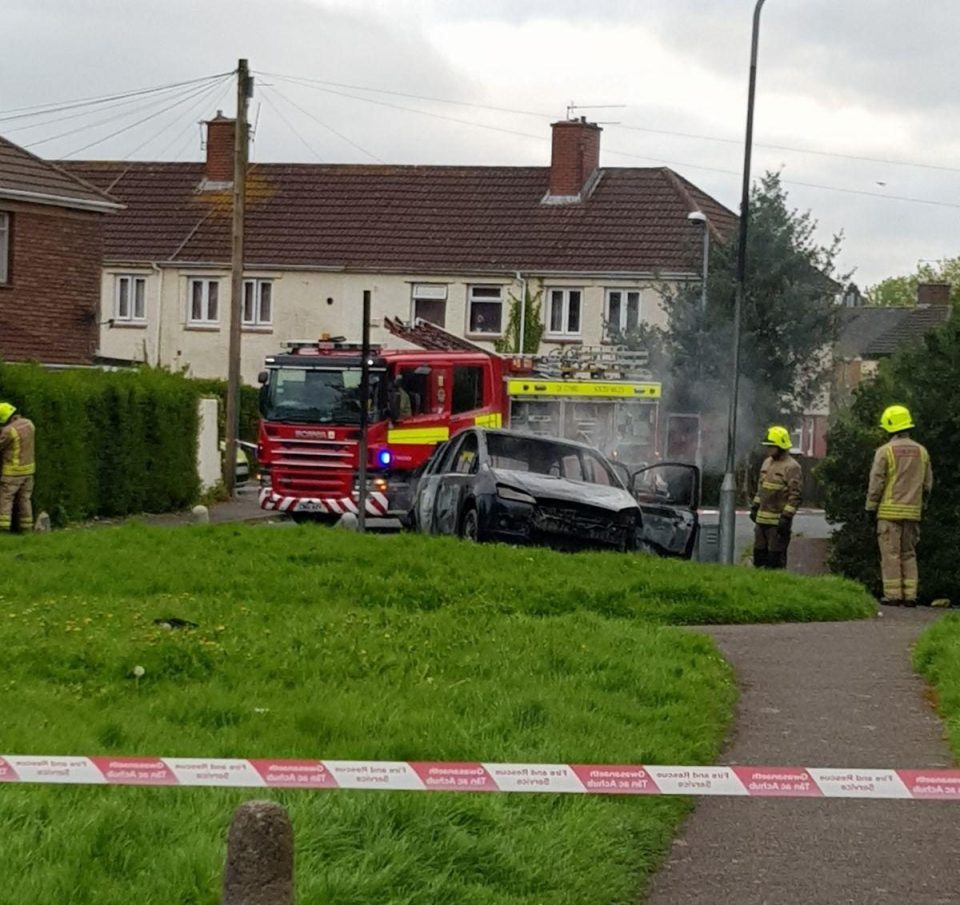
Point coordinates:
[(575, 156), (49, 309), (933, 294)]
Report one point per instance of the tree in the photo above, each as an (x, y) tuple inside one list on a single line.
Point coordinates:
[(789, 318), (533, 323), (901, 291), (915, 377)]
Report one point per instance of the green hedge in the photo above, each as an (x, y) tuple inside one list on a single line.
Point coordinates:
[(108, 443)]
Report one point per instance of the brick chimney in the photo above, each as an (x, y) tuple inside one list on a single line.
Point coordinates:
[(574, 161), (931, 295), (221, 134)]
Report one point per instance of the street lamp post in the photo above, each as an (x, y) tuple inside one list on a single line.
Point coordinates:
[(728, 489), (701, 218)]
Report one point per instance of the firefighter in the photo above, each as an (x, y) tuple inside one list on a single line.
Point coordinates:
[(776, 502), (900, 478), (16, 470)]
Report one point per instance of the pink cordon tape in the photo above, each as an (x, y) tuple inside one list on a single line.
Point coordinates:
[(426, 776)]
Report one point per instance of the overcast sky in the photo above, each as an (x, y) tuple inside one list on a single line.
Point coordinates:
[(850, 80)]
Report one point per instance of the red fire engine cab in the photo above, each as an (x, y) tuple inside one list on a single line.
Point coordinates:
[(309, 443)]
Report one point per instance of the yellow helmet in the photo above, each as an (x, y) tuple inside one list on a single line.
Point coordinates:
[(779, 437), (7, 411), (896, 418)]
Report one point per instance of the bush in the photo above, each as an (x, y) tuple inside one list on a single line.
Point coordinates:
[(108, 443), (920, 377)]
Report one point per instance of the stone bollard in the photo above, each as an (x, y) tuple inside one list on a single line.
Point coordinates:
[(259, 869), (348, 521), (201, 515)]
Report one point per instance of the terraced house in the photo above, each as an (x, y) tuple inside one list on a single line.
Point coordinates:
[(452, 244)]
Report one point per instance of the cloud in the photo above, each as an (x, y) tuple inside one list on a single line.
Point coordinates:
[(866, 79)]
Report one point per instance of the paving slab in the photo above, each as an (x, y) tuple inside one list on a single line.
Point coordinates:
[(823, 695)]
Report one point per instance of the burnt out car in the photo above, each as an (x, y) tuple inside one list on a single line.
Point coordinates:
[(523, 488)]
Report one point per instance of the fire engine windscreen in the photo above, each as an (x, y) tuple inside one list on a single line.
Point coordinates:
[(319, 396)]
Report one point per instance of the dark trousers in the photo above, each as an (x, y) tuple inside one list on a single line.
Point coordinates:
[(770, 547)]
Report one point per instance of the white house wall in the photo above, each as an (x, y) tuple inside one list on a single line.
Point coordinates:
[(307, 304)]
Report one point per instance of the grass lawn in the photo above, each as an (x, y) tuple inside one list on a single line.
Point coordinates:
[(318, 643), (937, 658)]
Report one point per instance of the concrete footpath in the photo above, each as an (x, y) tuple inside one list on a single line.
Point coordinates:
[(823, 695)]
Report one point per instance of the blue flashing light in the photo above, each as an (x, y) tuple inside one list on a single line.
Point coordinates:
[(384, 458)]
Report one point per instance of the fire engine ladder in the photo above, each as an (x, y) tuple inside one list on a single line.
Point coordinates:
[(568, 362), (429, 336), (594, 363)]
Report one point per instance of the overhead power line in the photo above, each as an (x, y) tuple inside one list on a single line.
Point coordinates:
[(308, 82), (264, 93), (322, 124), (57, 107), (181, 97), (133, 125), (633, 155), (320, 84)]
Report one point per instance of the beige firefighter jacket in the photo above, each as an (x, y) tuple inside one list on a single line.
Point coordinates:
[(779, 489), (16, 448), (899, 477)]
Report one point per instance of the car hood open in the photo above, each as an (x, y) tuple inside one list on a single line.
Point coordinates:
[(544, 488)]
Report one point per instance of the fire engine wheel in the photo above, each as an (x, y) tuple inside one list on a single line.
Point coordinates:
[(470, 526)]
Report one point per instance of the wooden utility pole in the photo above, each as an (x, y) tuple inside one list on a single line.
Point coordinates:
[(364, 404), (240, 151)]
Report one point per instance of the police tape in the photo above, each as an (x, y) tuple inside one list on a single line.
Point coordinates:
[(445, 776)]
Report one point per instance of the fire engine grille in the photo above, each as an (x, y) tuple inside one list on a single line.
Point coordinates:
[(314, 467)]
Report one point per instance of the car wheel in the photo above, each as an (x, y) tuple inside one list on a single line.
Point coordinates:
[(470, 526)]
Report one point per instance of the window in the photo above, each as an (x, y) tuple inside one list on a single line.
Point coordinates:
[(257, 303), (130, 298), (467, 389), (485, 309), (203, 301), (4, 247), (623, 310), (466, 460), (563, 314), (411, 393), (429, 303)]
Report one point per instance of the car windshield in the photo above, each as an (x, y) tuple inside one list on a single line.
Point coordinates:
[(319, 395), (549, 457)]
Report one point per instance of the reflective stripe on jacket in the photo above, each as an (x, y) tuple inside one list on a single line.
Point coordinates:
[(16, 448), (779, 489), (899, 477)]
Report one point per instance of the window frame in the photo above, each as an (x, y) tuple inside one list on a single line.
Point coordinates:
[(565, 293), (437, 293), (205, 322), (131, 280), (623, 324), (473, 299), (258, 321)]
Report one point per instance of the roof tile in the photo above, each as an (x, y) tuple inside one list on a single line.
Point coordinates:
[(410, 218)]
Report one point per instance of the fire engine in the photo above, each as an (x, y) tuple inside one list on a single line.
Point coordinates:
[(423, 394)]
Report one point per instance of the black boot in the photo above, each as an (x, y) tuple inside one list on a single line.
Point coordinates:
[(761, 559), (777, 560)]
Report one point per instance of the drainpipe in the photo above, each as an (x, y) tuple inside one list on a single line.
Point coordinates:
[(523, 309), (159, 271)]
